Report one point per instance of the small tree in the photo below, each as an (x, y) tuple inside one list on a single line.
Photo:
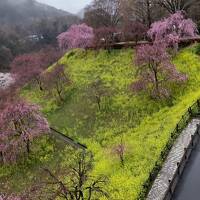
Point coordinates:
[(20, 123), (103, 13), (104, 37), (56, 80), (119, 150), (155, 71), (170, 30), (77, 36), (76, 183), (173, 6), (97, 91), (134, 31)]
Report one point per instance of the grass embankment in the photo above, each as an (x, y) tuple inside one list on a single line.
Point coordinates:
[(143, 124)]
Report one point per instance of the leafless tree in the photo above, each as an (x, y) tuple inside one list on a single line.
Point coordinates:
[(173, 6), (144, 11), (98, 90), (75, 183), (120, 151), (105, 11), (56, 80)]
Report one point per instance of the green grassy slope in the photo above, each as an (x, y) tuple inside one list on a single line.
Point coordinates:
[(144, 124)]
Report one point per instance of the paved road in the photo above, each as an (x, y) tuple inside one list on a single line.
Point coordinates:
[(188, 187)]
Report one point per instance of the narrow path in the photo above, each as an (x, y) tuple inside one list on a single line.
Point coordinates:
[(67, 139), (188, 187), (6, 79)]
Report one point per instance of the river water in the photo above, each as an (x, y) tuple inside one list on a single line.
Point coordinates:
[(188, 187)]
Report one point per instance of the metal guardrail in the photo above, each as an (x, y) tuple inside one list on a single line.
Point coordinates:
[(67, 139), (131, 44), (180, 166), (192, 112)]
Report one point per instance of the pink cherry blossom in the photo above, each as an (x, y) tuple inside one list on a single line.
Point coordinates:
[(155, 70), (170, 30), (77, 36), (20, 123)]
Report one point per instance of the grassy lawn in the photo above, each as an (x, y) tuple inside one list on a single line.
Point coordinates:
[(143, 124)]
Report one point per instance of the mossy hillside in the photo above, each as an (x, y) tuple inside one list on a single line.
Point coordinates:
[(144, 124)]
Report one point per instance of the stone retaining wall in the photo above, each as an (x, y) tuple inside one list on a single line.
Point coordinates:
[(167, 179)]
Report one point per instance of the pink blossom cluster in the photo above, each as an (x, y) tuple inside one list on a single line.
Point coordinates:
[(26, 67), (29, 66), (173, 28), (77, 36), (155, 70), (20, 122)]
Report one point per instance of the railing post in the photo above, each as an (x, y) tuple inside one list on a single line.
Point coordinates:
[(177, 128), (198, 105), (190, 110), (192, 136), (198, 128)]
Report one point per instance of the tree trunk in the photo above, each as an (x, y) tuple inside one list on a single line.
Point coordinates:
[(60, 96), (149, 20), (156, 82), (39, 82), (176, 48), (1, 158), (98, 102), (28, 146), (122, 159), (90, 194), (59, 91)]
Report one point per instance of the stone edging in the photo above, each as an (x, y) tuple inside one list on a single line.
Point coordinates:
[(164, 185)]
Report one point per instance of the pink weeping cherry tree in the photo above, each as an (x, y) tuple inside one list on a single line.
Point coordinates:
[(155, 71), (77, 36), (170, 30), (27, 67), (20, 123)]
